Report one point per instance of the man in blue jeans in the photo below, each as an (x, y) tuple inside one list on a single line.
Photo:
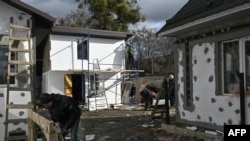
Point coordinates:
[(64, 111)]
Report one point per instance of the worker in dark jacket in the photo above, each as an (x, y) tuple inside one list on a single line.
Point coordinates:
[(147, 96), (64, 111), (132, 94)]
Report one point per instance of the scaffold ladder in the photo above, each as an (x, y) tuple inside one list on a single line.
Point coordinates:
[(99, 86)]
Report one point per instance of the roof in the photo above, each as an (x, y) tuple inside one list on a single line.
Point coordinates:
[(30, 10), (197, 9), (92, 32)]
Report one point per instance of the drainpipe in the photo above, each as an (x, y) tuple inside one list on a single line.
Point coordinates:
[(242, 99)]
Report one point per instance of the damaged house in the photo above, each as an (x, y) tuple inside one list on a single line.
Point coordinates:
[(212, 62)]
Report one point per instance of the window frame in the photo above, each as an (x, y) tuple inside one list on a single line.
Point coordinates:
[(5, 67), (241, 62), (82, 50)]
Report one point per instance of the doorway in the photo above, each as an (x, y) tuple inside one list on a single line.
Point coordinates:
[(74, 88)]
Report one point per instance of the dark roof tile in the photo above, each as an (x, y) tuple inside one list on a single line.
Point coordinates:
[(196, 9)]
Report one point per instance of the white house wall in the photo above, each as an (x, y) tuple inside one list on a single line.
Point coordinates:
[(110, 53), (17, 97), (20, 18), (53, 82), (208, 109), (113, 84), (63, 53), (6, 12), (63, 56), (2, 112)]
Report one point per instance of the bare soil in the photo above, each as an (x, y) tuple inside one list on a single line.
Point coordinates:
[(125, 125)]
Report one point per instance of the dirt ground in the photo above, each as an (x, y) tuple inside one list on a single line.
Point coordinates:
[(126, 124)]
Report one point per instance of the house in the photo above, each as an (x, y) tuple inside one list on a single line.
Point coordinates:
[(79, 62), (212, 61), (18, 13), (62, 57)]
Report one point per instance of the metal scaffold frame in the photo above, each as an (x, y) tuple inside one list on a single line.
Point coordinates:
[(99, 71)]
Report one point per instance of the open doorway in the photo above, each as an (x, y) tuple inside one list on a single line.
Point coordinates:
[(74, 88)]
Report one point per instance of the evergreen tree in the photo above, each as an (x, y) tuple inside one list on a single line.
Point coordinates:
[(115, 15)]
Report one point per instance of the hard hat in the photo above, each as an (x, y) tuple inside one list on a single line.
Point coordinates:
[(171, 76)]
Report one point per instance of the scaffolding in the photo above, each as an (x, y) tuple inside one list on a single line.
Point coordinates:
[(96, 82)]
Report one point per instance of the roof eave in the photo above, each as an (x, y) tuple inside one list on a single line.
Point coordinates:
[(178, 29), (92, 32), (31, 10)]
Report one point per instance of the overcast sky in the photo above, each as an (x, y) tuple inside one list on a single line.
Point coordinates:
[(156, 11)]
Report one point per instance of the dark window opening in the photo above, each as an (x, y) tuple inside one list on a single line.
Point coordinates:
[(188, 83), (4, 65), (82, 50)]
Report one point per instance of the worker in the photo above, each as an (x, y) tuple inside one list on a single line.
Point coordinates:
[(131, 59), (64, 112), (147, 96), (171, 90), (132, 93)]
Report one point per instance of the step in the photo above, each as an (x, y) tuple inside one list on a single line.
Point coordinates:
[(19, 62), (19, 50), (17, 138), (15, 121), (19, 106), (19, 27), (19, 89), (19, 38), (19, 74)]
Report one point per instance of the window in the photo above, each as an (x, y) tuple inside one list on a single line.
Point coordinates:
[(247, 66), (188, 96), (82, 50), (231, 66), (235, 60), (4, 65)]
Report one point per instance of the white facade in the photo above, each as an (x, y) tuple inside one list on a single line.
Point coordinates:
[(63, 58), (211, 63), (64, 50), (19, 17), (208, 109)]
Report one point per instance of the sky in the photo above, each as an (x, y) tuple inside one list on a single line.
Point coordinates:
[(156, 11)]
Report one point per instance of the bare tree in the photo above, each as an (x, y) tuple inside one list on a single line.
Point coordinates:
[(74, 19), (151, 49)]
